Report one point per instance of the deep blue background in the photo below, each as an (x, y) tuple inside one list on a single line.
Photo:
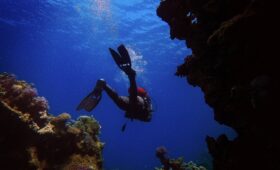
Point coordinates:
[(62, 47)]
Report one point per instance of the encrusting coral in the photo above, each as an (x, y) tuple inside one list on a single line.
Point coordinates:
[(21, 96), (174, 164), (31, 138)]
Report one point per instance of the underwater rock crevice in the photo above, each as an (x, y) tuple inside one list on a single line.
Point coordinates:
[(234, 63)]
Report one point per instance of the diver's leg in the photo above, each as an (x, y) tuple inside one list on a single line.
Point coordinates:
[(133, 86), (121, 101)]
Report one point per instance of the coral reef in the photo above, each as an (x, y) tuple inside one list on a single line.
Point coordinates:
[(233, 61), (174, 164), (31, 138)]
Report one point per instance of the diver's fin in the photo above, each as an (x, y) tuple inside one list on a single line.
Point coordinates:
[(124, 54), (90, 101), (117, 58)]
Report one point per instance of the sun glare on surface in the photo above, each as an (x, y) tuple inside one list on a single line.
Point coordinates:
[(102, 10)]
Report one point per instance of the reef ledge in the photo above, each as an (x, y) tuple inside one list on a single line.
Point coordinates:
[(31, 138)]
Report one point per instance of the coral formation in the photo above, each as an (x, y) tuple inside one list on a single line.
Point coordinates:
[(31, 138), (20, 95), (174, 164), (233, 61)]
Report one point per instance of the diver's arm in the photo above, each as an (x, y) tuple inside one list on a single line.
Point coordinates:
[(111, 92)]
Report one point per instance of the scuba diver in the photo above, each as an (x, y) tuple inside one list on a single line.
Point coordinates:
[(136, 106)]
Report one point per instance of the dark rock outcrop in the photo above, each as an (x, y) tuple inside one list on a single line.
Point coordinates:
[(234, 63), (31, 138), (174, 164)]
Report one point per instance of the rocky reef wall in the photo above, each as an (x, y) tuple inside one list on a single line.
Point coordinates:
[(234, 62), (174, 164), (31, 138)]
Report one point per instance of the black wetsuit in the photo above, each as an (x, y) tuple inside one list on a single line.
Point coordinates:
[(134, 105)]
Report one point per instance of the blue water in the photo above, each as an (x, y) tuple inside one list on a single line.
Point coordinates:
[(62, 47)]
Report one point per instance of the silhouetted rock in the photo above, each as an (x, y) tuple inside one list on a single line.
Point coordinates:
[(234, 62), (174, 164)]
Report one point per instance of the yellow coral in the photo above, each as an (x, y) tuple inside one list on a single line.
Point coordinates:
[(100, 145), (81, 162), (73, 130), (61, 118), (2, 91), (47, 129), (18, 86), (24, 117), (44, 115)]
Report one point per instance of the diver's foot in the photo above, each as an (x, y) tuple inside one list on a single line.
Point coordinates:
[(100, 84), (130, 72)]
